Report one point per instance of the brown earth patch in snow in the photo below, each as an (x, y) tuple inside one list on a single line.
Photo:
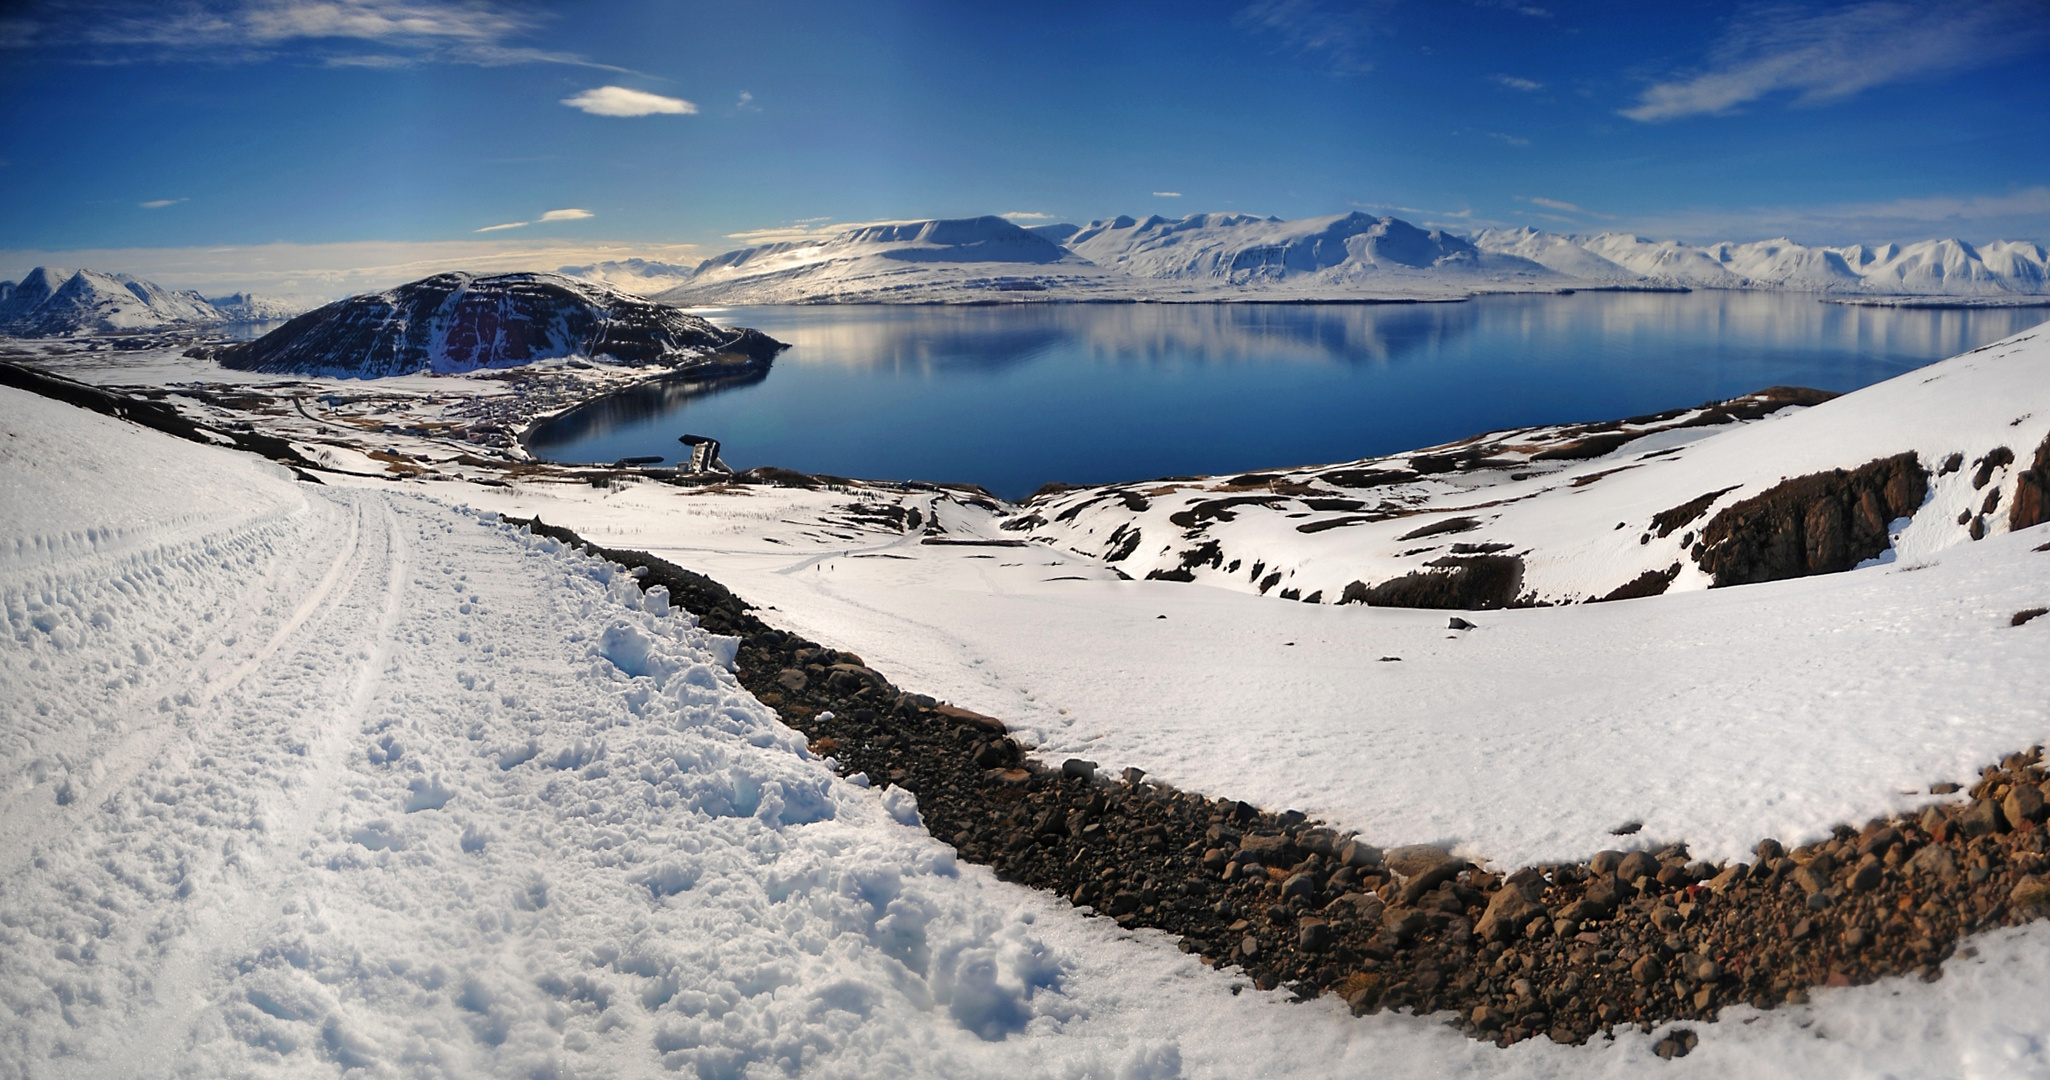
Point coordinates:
[(1455, 583)]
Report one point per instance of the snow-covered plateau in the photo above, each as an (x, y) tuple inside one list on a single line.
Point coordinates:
[(1355, 256), (304, 779)]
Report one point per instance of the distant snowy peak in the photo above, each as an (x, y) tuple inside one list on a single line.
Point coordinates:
[(178, 305), (1242, 249), (455, 323), (56, 303), (253, 307), (642, 277), (1927, 268)]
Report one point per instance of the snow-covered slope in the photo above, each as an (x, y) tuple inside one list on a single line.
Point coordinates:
[(453, 323), (177, 305), (55, 303), (1557, 253), (914, 261), (1677, 501)]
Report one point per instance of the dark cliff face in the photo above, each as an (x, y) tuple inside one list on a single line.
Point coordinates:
[(452, 323), (1822, 523)]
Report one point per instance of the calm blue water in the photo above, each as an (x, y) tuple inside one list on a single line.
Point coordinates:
[(1012, 397)]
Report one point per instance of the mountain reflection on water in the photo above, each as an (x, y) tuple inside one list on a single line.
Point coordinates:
[(646, 403), (1012, 396)]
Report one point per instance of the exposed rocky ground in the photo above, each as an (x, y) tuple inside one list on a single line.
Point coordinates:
[(1570, 951)]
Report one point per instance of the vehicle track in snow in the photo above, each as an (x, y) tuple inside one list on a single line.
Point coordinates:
[(342, 634), (158, 867), (107, 742)]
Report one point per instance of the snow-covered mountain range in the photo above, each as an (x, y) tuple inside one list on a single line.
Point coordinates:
[(1342, 257), (49, 302), (1927, 268), (452, 323)]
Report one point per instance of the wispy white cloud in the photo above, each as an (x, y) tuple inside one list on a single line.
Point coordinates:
[(1826, 56), (620, 101), (1513, 140), (1026, 215), (1563, 207), (401, 32), (1335, 33), (336, 269), (1167, 194), (1516, 6), (1528, 86), (819, 228), (159, 204), (1435, 219), (571, 214), (746, 103)]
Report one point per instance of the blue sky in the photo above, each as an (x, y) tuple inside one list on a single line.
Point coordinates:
[(393, 132)]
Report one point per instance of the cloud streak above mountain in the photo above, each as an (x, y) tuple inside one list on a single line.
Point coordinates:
[(1822, 57)]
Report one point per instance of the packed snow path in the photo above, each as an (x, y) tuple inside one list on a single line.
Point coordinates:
[(302, 781)]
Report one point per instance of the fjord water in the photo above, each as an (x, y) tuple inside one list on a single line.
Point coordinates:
[(1010, 397)]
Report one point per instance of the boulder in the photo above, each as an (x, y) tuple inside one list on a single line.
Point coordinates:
[(1414, 859), (1982, 818), (2023, 803), (1359, 854), (1637, 865), (1509, 909), (1277, 850)]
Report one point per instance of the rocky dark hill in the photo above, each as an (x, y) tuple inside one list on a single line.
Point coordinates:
[(457, 322)]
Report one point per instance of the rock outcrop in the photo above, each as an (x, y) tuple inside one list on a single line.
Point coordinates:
[(2031, 504), (1816, 524)]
